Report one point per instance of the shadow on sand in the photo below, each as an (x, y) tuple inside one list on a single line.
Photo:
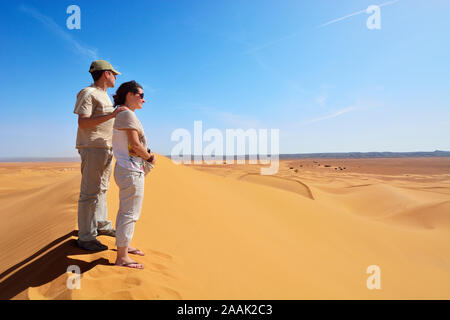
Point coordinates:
[(45, 268)]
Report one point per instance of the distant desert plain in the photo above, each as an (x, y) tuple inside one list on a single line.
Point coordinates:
[(315, 230)]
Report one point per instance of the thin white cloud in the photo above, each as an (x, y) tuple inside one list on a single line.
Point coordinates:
[(54, 27), (321, 101), (229, 119), (342, 18), (273, 42), (238, 121), (354, 14), (148, 88), (270, 43), (330, 116)]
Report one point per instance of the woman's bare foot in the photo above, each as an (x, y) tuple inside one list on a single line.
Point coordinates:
[(135, 251), (124, 260)]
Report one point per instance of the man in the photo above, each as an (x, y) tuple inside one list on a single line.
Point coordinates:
[(94, 143)]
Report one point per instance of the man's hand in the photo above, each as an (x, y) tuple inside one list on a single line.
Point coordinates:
[(118, 109), (85, 121)]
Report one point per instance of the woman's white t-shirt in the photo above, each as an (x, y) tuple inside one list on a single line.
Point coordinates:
[(124, 154)]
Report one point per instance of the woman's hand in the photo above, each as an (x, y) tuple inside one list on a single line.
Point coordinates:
[(152, 158)]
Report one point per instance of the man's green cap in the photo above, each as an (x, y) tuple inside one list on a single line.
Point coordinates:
[(99, 65)]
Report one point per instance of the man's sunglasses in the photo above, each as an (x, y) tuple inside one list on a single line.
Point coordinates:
[(141, 95)]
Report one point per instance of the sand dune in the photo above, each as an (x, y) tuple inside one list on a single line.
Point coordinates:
[(291, 185), (222, 232)]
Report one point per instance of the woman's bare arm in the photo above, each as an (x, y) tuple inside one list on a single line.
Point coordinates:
[(138, 148)]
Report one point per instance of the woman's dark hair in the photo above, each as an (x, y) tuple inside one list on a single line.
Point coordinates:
[(121, 93)]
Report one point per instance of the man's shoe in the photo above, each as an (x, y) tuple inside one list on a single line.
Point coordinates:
[(110, 232), (93, 245)]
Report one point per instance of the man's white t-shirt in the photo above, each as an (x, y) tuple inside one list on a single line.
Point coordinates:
[(124, 154)]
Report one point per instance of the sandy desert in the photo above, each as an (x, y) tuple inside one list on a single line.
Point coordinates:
[(226, 232)]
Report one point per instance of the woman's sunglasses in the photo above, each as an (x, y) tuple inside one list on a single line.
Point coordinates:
[(141, 95)]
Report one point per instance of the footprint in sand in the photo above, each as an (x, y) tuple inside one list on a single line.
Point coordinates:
[(158, 279)]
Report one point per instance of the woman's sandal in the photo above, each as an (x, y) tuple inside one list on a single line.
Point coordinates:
[(128, 264), (137, 251)]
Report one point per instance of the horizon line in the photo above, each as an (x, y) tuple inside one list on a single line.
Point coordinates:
[(77, 159)]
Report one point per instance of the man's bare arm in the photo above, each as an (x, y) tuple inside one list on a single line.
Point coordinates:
[(85, 121)]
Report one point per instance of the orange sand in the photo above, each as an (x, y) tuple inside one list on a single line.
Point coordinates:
[(225, 232)]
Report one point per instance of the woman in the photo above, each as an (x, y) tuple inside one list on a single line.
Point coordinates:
[(131, 153)]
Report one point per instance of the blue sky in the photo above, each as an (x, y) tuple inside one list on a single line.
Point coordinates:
[(336, 87)]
